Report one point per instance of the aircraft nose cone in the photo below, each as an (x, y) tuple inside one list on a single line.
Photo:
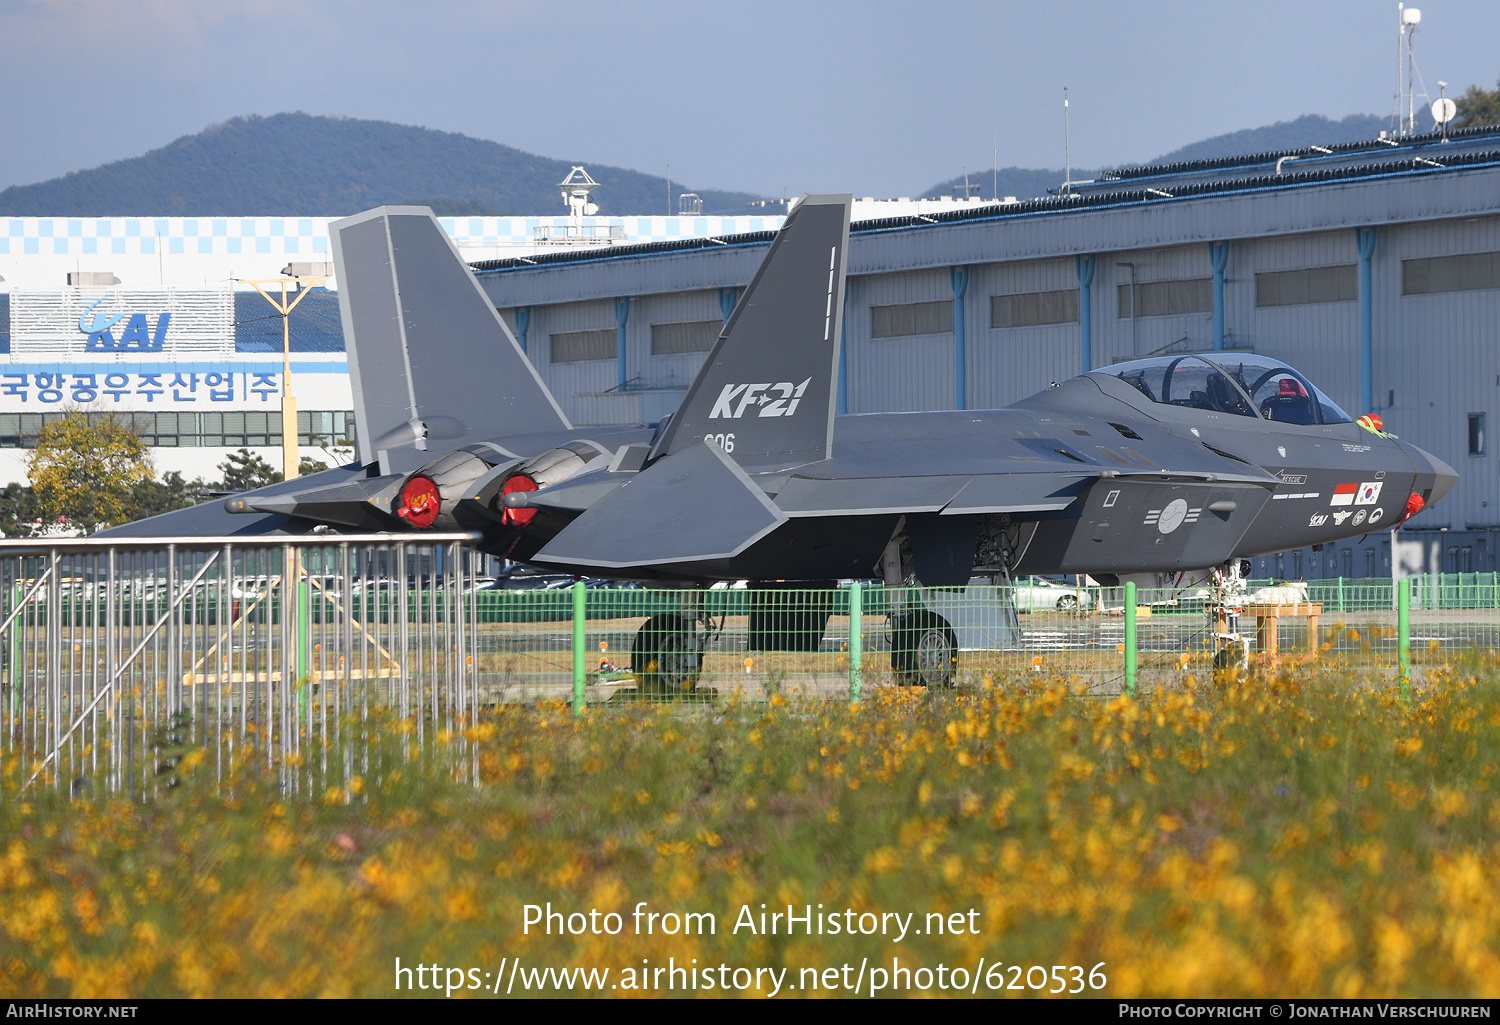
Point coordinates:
[(1432, 473), (1445, 478)]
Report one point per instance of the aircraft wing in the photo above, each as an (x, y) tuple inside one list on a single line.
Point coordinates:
[(949, 495)]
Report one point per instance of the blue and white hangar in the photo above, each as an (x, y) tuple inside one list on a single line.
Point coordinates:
[(1373, 268)]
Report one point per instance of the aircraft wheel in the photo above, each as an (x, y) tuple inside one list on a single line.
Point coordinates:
[(1230, 656), (664, 657), (1067, 603), (924, 651)]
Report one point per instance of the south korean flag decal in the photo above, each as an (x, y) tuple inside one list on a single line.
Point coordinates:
[(1369, 493)]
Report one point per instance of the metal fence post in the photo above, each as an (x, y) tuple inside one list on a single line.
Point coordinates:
[(1403, 633), (13, 640), (1130, 637), (304, 644), (1341, 595), (580, 611), (856, 638)]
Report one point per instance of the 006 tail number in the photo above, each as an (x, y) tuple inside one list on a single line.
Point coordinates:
[(724, 441)]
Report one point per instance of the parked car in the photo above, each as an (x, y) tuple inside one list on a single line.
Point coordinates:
[(1043, 594)]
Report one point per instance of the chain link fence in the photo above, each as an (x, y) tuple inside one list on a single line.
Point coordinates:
[(116, 658)]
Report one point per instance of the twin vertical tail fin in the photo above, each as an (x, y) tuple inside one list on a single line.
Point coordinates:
[(433, 366), (767, 393), (764, 401)]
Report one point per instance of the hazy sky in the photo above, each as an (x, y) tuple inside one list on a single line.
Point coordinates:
[(878, 98)]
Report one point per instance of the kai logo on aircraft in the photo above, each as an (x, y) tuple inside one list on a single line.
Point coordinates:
[(137, 337), (771, 399)]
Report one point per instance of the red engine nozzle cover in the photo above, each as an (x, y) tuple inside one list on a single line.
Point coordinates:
[(517, 517), (419, 501)]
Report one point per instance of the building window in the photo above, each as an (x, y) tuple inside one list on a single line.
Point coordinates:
[(577, 346), (1168, 298), (1464, 273), (1032, 309), (226, 429), (1312, 285), (1476, 434), (1297, 565), (1369, 562), (672, 339), (1348, 561), (932, 318)]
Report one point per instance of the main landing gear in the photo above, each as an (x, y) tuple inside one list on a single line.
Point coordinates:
[(667, 653), (924, 649)]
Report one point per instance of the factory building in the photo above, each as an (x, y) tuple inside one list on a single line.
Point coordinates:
[(1373, 268), (154, 320)]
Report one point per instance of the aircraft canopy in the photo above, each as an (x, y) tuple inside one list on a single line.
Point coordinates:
[(1241, 384)]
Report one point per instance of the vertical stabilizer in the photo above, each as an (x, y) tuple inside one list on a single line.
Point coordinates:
[(767, 392), (432, 365)]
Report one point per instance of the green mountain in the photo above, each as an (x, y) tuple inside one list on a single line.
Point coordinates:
[(1308, 130), (330, 166)]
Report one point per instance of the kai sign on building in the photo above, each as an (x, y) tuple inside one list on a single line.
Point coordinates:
[(123, 324), (135, 337)]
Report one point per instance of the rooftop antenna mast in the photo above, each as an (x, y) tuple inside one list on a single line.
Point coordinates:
[(1409, 82), (1067, 157)]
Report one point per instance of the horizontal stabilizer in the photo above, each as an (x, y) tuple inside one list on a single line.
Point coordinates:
[(212, 519), (362, 504), (692, 506)]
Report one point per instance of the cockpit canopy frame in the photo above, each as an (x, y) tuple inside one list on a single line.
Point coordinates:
[(1239, 384)]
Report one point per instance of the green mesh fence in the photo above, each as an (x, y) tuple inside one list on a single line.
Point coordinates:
[(282, 646)]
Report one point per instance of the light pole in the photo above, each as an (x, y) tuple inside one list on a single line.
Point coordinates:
[(294, 583), (289, 456)]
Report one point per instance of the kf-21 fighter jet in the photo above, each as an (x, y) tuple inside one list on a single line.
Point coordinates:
[(1167, 470)]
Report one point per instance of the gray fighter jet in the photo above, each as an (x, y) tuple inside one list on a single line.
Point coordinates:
[(1161, 470)]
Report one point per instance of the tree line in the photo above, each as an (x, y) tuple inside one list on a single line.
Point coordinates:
[(85, 474)]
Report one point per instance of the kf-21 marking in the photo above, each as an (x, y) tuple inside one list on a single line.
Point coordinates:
[(782, 403), (1158, 469)]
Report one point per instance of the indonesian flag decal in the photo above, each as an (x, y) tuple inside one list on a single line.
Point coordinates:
[(1344, 494)]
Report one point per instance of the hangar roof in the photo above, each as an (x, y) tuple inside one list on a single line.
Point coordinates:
[(1318, 189)]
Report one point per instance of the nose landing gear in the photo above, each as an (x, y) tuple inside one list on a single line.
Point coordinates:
[(1227, 595)]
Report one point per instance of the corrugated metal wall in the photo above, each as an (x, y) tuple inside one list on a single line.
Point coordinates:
[(571, 381), (912, 372), (1006, 363), (1440, 355)]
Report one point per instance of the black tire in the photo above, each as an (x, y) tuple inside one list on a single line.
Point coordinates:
[(663, 657), (1067, 603), (924, 650), (1229, 656)]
